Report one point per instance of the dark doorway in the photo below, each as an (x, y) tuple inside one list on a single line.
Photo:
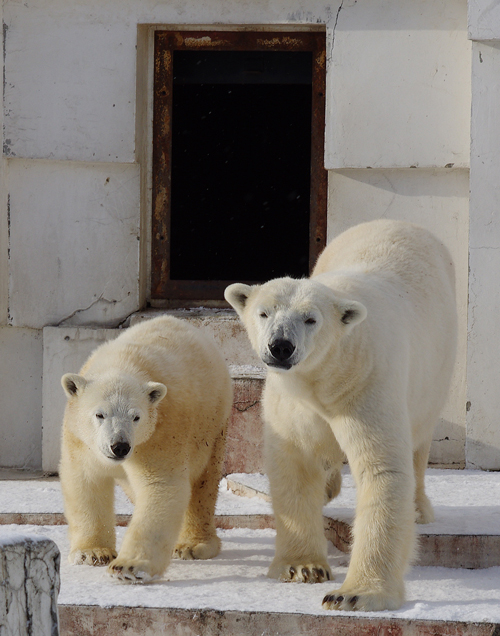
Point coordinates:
[(235, 190)]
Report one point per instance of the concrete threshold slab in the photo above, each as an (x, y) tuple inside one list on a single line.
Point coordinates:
[(91, 620)]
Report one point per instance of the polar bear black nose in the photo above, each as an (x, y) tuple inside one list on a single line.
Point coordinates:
[(120, 449), (281, 349)]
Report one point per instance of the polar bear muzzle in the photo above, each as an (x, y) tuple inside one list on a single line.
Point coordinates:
[(120, 450), (281, 351)]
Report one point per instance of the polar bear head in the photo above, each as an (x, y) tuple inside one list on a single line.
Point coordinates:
[(288, 319), (112, 413)]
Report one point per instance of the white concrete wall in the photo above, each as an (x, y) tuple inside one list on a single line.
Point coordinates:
[(77, 147), (398, 88), (74, 242), (21, 398), (483, 394)]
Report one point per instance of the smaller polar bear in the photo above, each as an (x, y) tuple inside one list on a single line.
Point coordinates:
[(148, 410), (359, 361)]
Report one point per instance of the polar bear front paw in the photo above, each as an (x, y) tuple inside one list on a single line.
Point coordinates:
[(365, 601), (197, 550), (92, 556), (301, 573), (131, 571)]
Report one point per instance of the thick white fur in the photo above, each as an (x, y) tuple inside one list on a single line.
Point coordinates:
[(374, 331), (163, 388)]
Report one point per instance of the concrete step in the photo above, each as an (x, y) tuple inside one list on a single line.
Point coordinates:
[(466, 533), (222, 324), (230, 595)]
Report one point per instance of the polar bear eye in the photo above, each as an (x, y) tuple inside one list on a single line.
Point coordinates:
[(136, 418), (263, 314), (310, 321), (99, 416)]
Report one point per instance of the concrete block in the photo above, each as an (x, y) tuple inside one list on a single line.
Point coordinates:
[(21, 398), (483, 20), (90, 620), (223, 325), (64, 351), (398, 87), (77, 76), (74, 243), (483, 396), (245, 435), (29, 568)]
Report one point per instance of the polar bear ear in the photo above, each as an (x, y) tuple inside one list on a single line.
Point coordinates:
[(352, 313), (237, 295), (73, 384), (156, 391)]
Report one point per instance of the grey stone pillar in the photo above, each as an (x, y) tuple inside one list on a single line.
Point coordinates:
[(29, 585)]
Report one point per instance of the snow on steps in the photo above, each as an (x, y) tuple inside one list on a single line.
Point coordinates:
[(230, 595)]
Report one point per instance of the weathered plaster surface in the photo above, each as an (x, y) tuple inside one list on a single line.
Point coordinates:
[(72, 67), (398, 85), (483, 395), (21, 398), (438, 200), (29, 585), (74, 243), (484, 19)]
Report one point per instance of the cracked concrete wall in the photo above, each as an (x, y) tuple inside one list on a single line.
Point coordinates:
[(74, 243), (29, 585), (398, 96), (398, 87)]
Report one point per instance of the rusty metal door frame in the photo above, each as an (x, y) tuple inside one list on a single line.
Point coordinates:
[(165, 42)]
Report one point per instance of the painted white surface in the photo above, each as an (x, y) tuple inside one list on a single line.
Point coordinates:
[(72, 66), (21, 398), (74, 248), (30, 584), (484, 20), (398, 95), (398, 85), (64, 351), (398, 78), (438, 200), (483, 417)]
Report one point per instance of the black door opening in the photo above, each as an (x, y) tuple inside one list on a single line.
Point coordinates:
[(239, 189), (241, 163)]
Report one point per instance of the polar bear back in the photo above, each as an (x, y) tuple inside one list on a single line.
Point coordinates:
[(386, 246), (405, 277)]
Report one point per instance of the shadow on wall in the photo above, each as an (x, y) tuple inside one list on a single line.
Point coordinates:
[(481, 456), (448, 444)]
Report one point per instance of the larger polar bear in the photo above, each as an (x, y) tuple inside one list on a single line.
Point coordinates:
[(149, 410), (359, 361)]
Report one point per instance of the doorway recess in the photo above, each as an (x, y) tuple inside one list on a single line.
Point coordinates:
[(239, 187)]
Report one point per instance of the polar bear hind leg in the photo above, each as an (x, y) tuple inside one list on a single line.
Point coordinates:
[(424, 511), (198, 537)]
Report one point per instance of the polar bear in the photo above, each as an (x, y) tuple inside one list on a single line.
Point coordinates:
[(149, 410), (359, 360)]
